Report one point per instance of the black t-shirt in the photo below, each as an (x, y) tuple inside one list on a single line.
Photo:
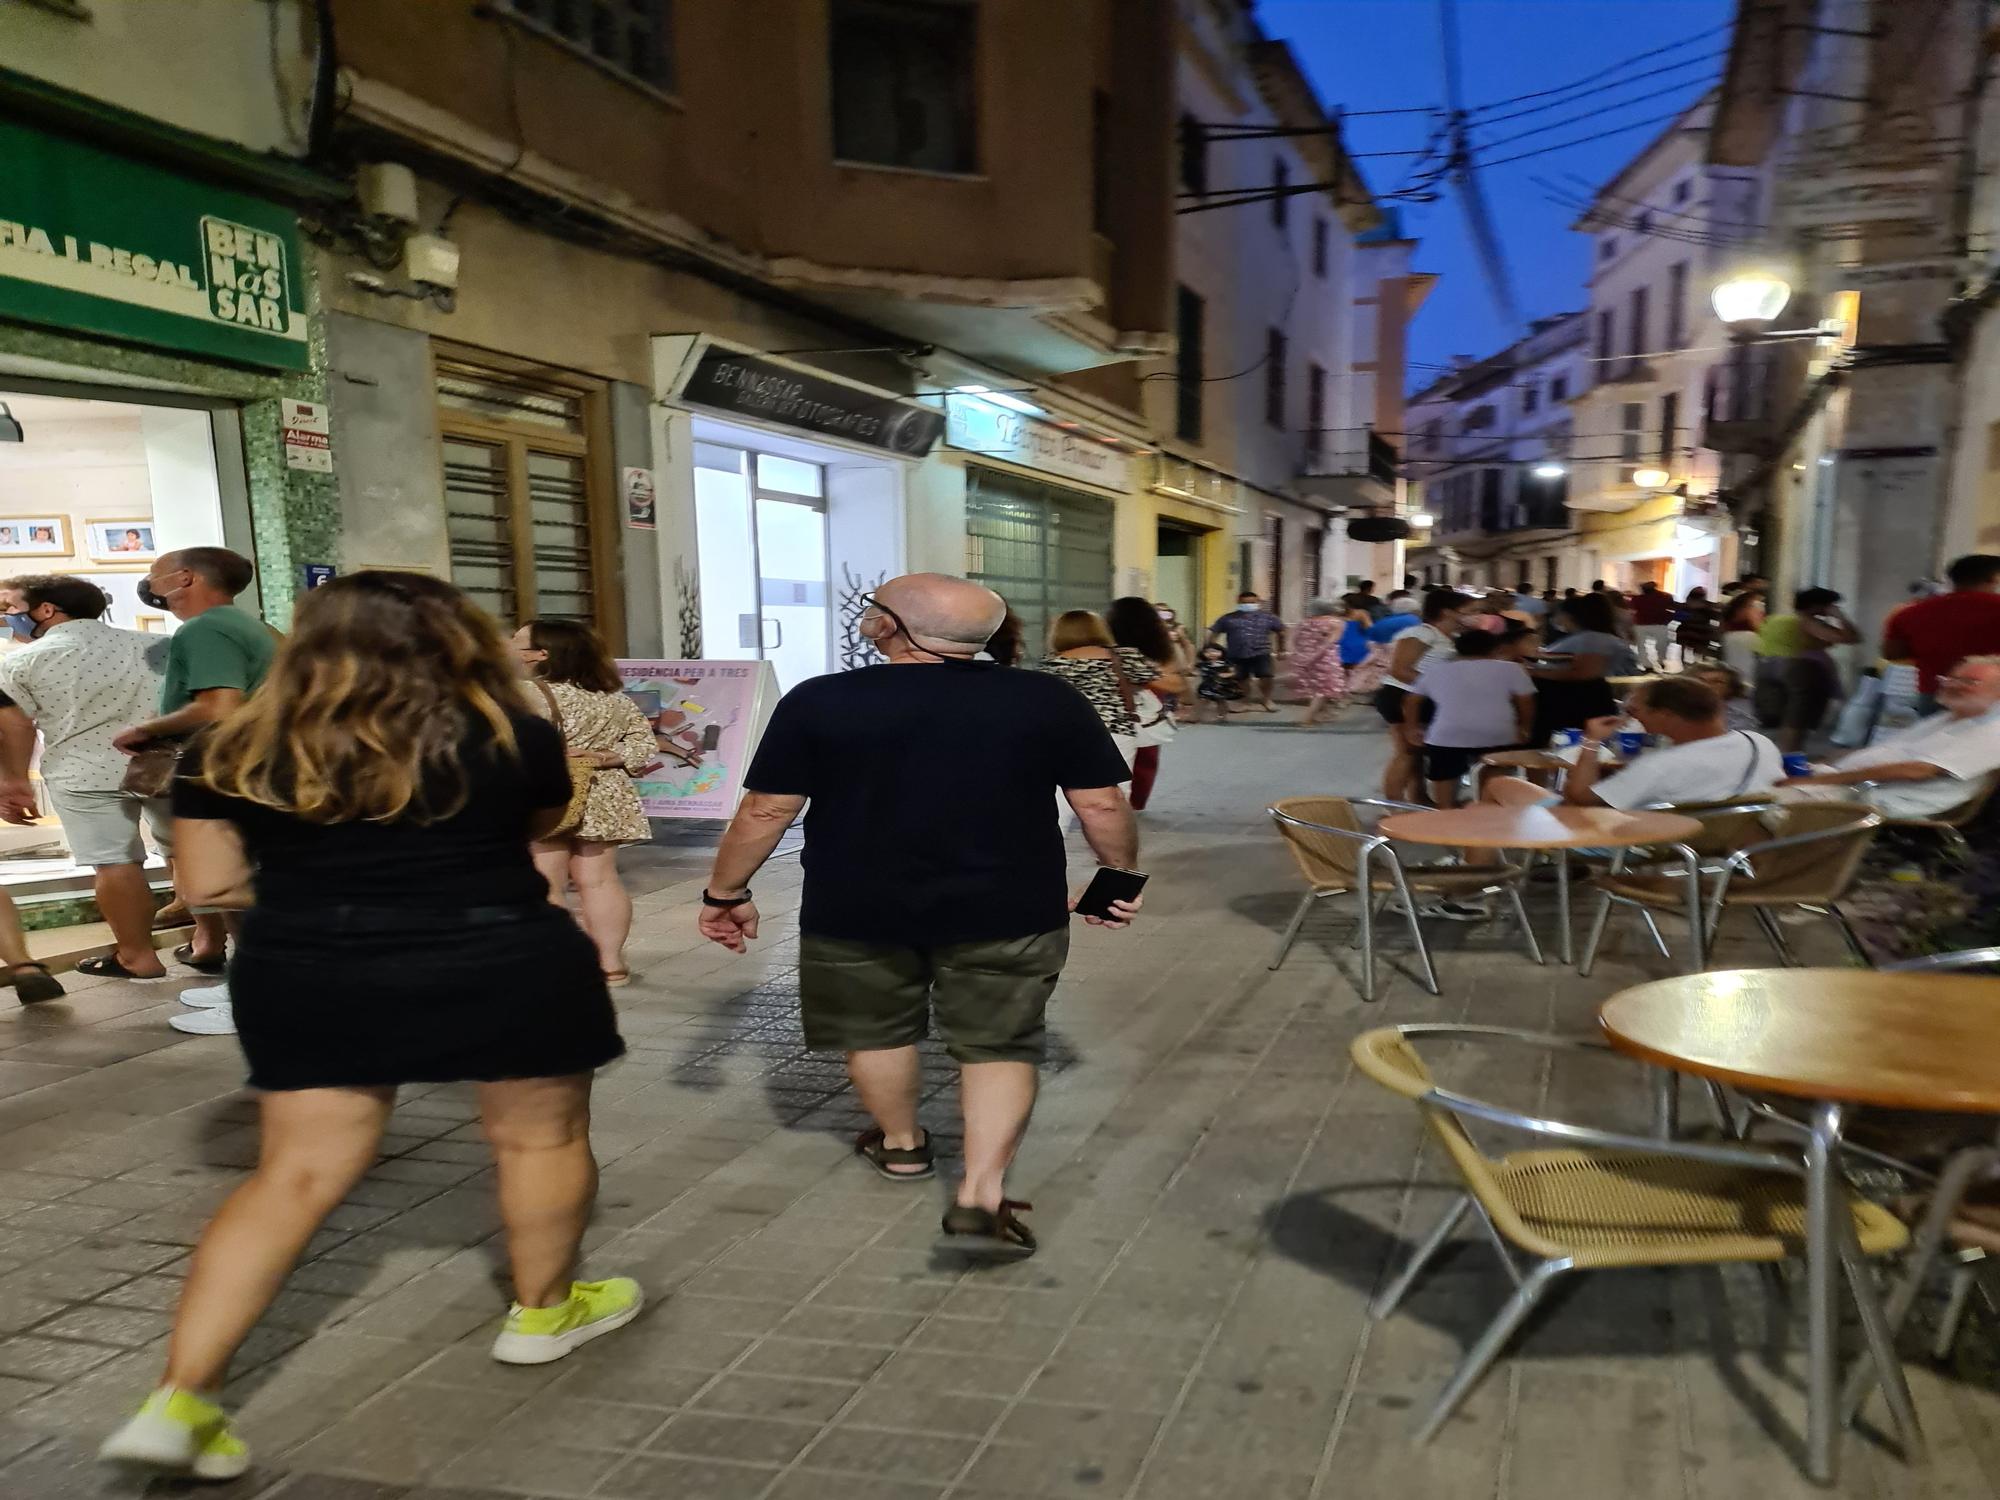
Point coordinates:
[(476, 857), (933, 788)]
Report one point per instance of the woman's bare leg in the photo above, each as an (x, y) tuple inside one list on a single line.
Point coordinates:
[(539, 1129), (317, 1143), (606, 906), (552, 859)]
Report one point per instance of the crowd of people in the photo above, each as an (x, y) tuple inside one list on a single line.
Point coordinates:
[(379, 820)]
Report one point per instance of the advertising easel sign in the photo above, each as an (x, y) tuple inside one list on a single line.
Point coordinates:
[(707, 717)]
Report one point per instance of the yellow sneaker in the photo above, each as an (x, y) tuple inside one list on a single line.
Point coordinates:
[(539, 1335), (181, 1433)]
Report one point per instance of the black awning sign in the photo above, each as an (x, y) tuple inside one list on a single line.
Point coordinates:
[(742, 383)]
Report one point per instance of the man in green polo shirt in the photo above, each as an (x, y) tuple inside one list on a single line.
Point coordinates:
[(214, 661)]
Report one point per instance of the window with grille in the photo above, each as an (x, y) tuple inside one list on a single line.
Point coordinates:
[(1275, 346), (1188, 365), (1321, 238), (519, 507), (902, 81), (630, 37)]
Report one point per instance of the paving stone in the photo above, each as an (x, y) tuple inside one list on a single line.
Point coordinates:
[(925, 1457), (759, 1440), (649, 1478), (791, 1399)]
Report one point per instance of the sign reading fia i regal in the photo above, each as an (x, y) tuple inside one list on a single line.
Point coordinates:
[(105, 245)]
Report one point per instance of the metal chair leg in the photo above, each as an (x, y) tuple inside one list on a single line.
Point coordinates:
[(1491, 1342), (1520, 910), (1653, 927), (1364, 900), (1853, 938), (1390, 1296), (1598, 922), (1881, 1343), (1964, 1278), (1409, 900), (1291, 934), (1776, 935), (1376, 914)]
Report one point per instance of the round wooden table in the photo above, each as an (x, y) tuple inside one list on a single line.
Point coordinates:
[(1486, 826), (1839, 1038)]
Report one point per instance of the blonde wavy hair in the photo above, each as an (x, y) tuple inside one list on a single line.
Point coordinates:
[(365, 710)]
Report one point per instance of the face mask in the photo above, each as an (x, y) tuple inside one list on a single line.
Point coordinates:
[(22, 624), (1248, 608), (150, 597)]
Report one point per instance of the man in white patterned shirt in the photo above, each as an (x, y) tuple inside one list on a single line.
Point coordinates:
[(80, 681)]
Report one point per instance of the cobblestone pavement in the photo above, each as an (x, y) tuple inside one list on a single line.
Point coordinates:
[(1217, 1195)]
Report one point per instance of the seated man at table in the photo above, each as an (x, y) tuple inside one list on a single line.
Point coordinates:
[(1704, 760), (1933, 767)]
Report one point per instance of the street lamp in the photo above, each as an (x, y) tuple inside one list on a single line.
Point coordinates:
[(1549, 470), (1651, 479), (1420, 520), (1751, 299)]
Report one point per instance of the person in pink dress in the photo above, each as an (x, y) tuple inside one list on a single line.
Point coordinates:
[(1316, 668)]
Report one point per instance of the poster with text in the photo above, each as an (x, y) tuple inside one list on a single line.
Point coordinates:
[(706, 717)]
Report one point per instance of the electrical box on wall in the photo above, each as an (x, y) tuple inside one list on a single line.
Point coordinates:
[(431, 259), (388, 190)]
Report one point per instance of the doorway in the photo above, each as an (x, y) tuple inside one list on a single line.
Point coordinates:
[(760, 528), (1177, 580)]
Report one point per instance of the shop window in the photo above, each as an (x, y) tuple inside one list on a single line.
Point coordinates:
[(521, 507), (633, 38), (1188, 361), (902, 83)]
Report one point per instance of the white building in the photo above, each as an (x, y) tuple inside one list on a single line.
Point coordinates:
[(1292, 314), (1488, 450)]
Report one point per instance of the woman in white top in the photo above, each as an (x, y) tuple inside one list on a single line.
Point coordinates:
[(1401, 776), (1480, 703)]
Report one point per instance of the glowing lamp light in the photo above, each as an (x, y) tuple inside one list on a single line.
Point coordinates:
[(1651, 479), (1421, 519), (1751, 298), (1000, 398), (1549, 471)]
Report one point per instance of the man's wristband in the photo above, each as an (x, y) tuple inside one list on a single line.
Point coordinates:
[(723, 904)]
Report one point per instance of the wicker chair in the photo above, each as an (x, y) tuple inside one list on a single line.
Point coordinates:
[(1596, 1200), (1810, 867), (1338, 857), (1949, 826)]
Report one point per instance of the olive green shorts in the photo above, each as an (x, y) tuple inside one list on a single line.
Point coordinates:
[(990, 997)]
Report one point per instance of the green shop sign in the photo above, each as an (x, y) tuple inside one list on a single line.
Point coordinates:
[(96, 242)]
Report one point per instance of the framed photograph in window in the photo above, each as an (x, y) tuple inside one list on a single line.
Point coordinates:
[(34, 536), (126, 610), (123, 540)]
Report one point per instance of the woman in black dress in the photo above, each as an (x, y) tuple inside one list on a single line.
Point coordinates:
[(381, 790)]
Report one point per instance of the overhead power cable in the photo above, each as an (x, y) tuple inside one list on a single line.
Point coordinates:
[(1617, 67), (1589, 114), (1623, 83)]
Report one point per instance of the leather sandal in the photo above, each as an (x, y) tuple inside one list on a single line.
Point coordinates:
[(989, 1229), (869, 1147), (106, 966), (33, 983), (219, 964)]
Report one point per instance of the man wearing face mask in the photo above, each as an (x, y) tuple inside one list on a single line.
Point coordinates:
[(934, 873), (1249, 635), (80, 681), (214, 661)]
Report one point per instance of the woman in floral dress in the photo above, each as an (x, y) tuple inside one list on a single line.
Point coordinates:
[(576, 681), (1316, 668)]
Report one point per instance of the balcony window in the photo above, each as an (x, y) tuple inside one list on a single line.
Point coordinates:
[(1631, 421), (1189, 316), (1315, 410), (1670, 421), (902, 76), (1194, 157), (1531, 397), (1607, 247), (1637, 347), (632, 38), (1606, 336), (1320, 238), (1275, 347), (1558, 390), (1281, 200), (1677, 291)]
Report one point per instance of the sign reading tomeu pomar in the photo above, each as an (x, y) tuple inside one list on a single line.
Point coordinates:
[(753, 386), (105, 245)]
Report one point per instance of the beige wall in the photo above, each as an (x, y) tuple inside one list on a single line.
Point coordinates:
[(743, 151)]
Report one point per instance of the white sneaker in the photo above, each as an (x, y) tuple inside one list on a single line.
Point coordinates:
[(205, 996), (215, 1020)]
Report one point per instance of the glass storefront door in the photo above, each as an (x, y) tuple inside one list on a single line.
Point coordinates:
[(760, 528)]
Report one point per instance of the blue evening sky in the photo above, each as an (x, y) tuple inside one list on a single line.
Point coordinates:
[(1381, 54)]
